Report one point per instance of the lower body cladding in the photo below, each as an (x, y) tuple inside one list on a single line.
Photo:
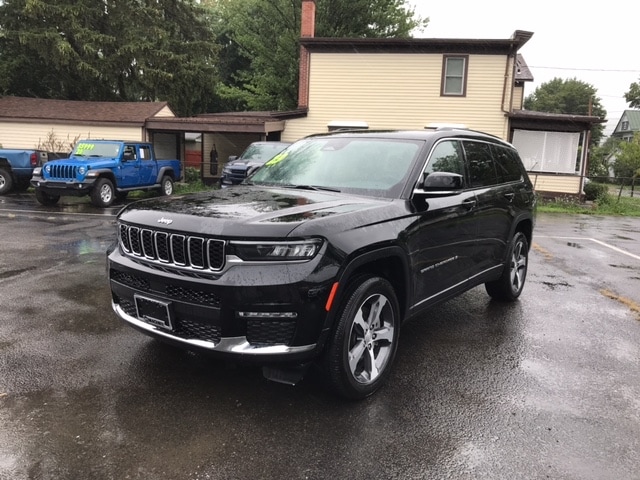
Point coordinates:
[(273, 325)]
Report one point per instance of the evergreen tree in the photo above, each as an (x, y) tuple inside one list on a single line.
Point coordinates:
[(109, 50)]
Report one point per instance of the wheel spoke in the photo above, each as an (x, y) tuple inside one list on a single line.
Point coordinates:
[(376, 310), (384, 334), (371, 371), (355, 355)]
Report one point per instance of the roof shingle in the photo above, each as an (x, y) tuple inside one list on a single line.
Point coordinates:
[(16, 108)]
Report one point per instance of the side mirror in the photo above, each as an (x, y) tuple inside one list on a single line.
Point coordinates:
[(127, 156), (232, 157), (442, 182)]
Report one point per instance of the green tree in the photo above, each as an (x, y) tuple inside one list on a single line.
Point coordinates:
[(633, 95), (260, 37), (109, 50), (570, 96), (600, 158), (627, 162)]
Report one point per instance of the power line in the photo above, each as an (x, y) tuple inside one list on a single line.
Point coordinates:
[(586, 69)]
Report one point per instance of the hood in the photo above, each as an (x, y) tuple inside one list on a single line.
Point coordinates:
[(94, 163), (253, 212)]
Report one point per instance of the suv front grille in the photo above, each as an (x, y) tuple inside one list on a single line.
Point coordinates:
[(62, 171), (179, 250)]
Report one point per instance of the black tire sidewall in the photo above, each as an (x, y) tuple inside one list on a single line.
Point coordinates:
[(8, 181), (337, 364), (164, 180), (96, 197)]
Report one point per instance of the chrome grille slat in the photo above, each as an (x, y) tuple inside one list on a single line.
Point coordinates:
[(183, 251)]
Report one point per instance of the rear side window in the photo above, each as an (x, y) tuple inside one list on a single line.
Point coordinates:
[(508, 164), (482, 171)]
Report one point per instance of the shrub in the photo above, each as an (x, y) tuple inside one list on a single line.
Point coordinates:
[(593, 191), (191, 175)]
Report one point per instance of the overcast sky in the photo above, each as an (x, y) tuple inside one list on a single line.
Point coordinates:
[(596, 43)]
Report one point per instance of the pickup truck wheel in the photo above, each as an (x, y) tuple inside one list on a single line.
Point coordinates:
[(363, 345), (166, 186), (103, 193), (509, 286), (6, 182), (45, 198)]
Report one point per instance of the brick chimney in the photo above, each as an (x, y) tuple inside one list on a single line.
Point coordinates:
[(307, 30)]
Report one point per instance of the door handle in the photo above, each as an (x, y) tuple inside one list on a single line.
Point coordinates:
[(469, 204)]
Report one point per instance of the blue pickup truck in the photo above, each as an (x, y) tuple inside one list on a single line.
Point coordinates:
[(105, 170), (16, 168)]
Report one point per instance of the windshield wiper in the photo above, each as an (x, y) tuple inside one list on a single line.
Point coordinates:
[(312, 187)]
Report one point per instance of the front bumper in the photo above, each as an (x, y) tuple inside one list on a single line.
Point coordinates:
[(227, 315), (63, 187)]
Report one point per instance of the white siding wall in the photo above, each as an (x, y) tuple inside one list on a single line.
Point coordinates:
[(29, 135), (568, 184), (401, 91)]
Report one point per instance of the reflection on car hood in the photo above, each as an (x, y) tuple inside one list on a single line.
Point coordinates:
[(245, 163), (256, 212)]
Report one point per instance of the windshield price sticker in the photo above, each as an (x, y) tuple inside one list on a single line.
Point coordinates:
[(84, 147)]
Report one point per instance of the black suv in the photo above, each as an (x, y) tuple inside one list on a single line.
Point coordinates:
[(326, 250)]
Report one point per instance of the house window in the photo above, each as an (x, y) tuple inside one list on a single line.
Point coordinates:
[(454, 75), (624, 126)]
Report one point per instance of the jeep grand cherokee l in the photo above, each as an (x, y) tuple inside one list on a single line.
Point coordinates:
[(326, 250)]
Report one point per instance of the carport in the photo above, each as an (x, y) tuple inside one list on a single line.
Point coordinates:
[(206, 141)]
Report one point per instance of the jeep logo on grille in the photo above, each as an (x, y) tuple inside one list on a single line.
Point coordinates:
[(165, 221)]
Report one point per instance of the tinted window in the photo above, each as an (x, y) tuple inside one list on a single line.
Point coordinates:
[(446, 157), (508, 164), (482, 171)]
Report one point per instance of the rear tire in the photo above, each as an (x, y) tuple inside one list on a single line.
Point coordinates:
[(363, 345), (166, 186), (509, 286), (103, 194), (6, 181), (46, 199)]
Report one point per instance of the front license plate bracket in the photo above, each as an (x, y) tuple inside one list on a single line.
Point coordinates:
[(154, 312)]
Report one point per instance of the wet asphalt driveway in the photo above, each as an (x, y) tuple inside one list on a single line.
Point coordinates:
[(548, 387)]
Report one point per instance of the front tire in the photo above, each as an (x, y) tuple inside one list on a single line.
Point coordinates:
[(46, 199), (166, 186), (6, 181), (509, 286), (103, 193), (363, 345)]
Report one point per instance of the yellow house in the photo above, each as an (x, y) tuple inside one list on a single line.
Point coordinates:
[(424, 82)]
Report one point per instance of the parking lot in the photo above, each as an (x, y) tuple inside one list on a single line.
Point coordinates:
[(548, 387)]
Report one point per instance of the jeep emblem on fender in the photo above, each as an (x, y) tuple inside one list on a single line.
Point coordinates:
[(165, 221)]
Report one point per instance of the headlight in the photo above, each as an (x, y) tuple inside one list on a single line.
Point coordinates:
[(277, 251), (82, 170), (47, 168)]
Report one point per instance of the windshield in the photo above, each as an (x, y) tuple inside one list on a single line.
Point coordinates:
[(103, 149), (262, 151), (365, 166)]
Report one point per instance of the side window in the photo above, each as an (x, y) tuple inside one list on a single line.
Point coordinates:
[(454, 75), (482, 172), (129, 153), (508, 164), (145, 153), (446, 157)]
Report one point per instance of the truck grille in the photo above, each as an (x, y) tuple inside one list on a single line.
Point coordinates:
[(179, 250), (63, 171)]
